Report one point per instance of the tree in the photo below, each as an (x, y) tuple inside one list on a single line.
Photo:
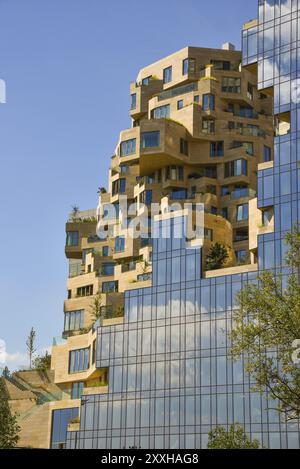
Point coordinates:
[(96, 307), (30, 344), (101, 190), (9, 427), (75, 212), (235, 438), (6, 373), (42, 363), (266, 327), (217, 256)]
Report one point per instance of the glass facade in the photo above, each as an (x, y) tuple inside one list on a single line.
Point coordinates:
[(171, 378), (60, 420)]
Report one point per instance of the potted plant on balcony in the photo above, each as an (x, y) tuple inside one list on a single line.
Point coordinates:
[(217, 256)]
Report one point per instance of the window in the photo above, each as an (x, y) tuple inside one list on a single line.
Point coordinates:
[(208, 234), (180, 104), (267, 216), (128, 147), (179, 194), (60, 420), (267, 154), (85, 291), (240, 191), (109, 287), (246, 111), (150, 179), (133, 101), (184, 147), (72, 238), (197, 99), (79, 360), (94, 350), (107, 269), (236, 168), (221, 64), (208, 102), (250, 91), (242, 212), (241, 256), (119, 186), (75, 267), (105, 251), (77, 389), (178, 91), (146, 81), (144, 277), (161, 112), (213, 210), (175, 173), (210, 172), (216, 149), (122, 185), (120, 244), (74, 320), (231, 85), (224, 212), (208, 126), (225, 191), (69, 294), (241, 235), (146, 197), (248, 146), (124, 168), (168, 75), (150, 139), (188, 66)]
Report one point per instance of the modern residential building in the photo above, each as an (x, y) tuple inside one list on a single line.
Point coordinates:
[(154, 370)]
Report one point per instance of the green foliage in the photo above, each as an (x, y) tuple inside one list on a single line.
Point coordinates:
[(268, 320), (217, 256), (102, 190), (235, 438), (96, 307), (30, 344), (9, 428), (75, 212), (6, 373), (42, 363)]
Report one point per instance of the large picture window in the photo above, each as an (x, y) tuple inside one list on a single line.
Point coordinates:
[(79, 360), (128, 147), (72, 238), (150, 139), (74, 320)]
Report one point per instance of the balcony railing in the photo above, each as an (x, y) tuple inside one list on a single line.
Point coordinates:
[(84, 215), (110, 312), (130, 266), (239, 193), (93, 239), (178, 91), (58, 341)]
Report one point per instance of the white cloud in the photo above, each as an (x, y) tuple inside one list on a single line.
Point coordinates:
[(18, 360)]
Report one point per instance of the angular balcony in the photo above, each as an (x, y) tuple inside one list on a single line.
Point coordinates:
[(141, 93), (160, 144)]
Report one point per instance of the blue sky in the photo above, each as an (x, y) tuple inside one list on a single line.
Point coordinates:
[(67, 65)]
